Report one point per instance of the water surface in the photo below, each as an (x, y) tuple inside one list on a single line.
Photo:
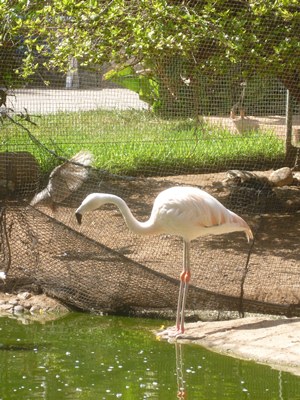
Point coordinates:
[(91, 357)]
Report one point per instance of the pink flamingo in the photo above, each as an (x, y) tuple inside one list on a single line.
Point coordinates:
[(188, 212)]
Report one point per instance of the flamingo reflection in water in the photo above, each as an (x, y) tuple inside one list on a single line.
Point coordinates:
[(181, 390)]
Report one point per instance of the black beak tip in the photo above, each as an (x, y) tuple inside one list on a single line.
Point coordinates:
[(78, 217)]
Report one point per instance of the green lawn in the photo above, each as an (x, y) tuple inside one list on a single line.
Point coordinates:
[(140, 143)]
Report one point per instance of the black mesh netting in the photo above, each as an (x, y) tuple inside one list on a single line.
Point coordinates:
[(102, 267), (176, 93)]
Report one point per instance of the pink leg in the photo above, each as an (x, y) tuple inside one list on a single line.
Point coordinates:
[(179, 305), (183, 289)]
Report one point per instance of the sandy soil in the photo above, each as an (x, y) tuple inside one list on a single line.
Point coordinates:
[(274, 123)]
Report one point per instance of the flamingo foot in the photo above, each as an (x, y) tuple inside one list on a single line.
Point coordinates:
[(167, 332), (171, 333), (181, 394)]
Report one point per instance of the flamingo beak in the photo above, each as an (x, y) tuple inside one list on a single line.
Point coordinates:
[(78, 217)]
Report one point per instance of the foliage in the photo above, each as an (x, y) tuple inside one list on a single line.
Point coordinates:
[(176, 44), (136, 80), (261, 33)]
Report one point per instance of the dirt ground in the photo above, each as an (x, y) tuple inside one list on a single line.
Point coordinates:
[(218, 263), (275, 123)]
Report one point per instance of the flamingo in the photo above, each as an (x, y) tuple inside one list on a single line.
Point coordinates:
[(64, 180), (183, 211), (2, 275)]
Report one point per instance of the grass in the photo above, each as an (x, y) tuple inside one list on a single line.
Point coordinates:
[(140, 143)]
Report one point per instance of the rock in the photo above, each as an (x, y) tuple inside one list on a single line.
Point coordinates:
[(18, 309), (19, 173), (235, 177), (282, 177), (296, 178), (35, 309), (24, 295), (244, 175), (27, 304), (248, 191), (6, 307), (13, 302)]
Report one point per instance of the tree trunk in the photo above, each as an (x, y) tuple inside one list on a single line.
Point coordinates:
[(291, 82)]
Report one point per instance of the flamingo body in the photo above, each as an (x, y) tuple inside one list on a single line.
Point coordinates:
[(190, 212), (183, 211)]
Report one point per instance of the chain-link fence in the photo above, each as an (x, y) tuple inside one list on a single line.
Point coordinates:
[(134, 126)]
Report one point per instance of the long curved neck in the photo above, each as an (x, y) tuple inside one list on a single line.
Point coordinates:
[(141, 228)]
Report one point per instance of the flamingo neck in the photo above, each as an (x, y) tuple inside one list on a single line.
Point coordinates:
[(138, 227)]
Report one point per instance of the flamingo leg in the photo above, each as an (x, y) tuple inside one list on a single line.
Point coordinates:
[(183, 289), (179, 306)]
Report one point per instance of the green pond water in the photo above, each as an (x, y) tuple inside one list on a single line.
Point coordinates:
[(88, 357)]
